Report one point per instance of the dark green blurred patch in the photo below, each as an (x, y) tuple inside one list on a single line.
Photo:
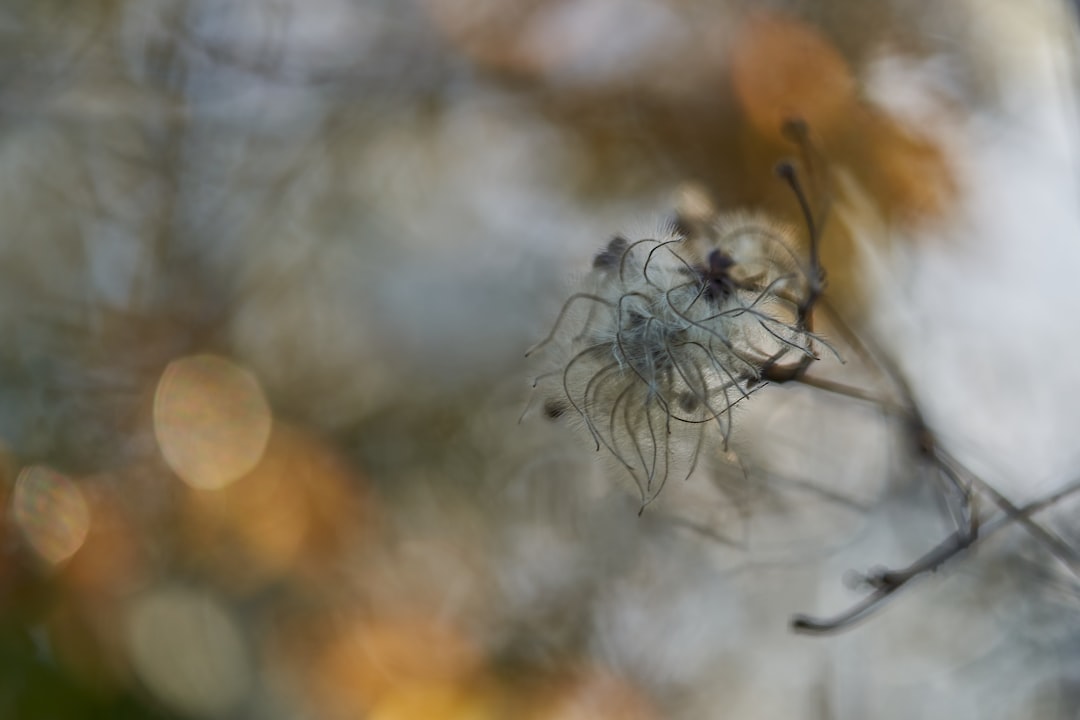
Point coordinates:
[(33, 687)]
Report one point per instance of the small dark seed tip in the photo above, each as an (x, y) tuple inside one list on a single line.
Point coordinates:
[(719, 261), (553, 409), (688, 402), (611, 256), (786, 170)]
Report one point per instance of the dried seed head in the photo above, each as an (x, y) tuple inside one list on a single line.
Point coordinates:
[(669, 333)]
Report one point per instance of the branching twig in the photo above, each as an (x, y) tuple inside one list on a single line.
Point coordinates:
[(887, 582)]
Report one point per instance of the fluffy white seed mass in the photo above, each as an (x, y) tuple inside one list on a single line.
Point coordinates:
[(669, 333)]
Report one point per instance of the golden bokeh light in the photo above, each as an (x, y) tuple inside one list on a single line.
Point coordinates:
[(588, 693), (211, 420), (477, 701), (490, 32), (355, 665), (910, 176), (112, 560), (290, 514), (189, 651), (51, 513), (781, 68)]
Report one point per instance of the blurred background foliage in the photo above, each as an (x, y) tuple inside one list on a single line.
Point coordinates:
[(268, 270)]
